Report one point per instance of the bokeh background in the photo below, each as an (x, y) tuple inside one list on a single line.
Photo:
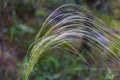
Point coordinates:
[(20, 20)]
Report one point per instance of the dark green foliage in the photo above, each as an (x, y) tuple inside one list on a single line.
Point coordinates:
[(58, 67)]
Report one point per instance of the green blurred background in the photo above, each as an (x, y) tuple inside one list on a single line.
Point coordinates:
[(20, 20)]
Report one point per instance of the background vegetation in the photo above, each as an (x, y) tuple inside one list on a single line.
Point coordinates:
[(19, 23)]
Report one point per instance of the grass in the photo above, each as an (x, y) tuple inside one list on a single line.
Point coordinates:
[(64, 30)]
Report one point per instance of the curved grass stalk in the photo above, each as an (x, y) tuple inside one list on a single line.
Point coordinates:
[(68, 25)]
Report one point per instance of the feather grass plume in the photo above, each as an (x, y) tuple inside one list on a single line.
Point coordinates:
[(67, 25)]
